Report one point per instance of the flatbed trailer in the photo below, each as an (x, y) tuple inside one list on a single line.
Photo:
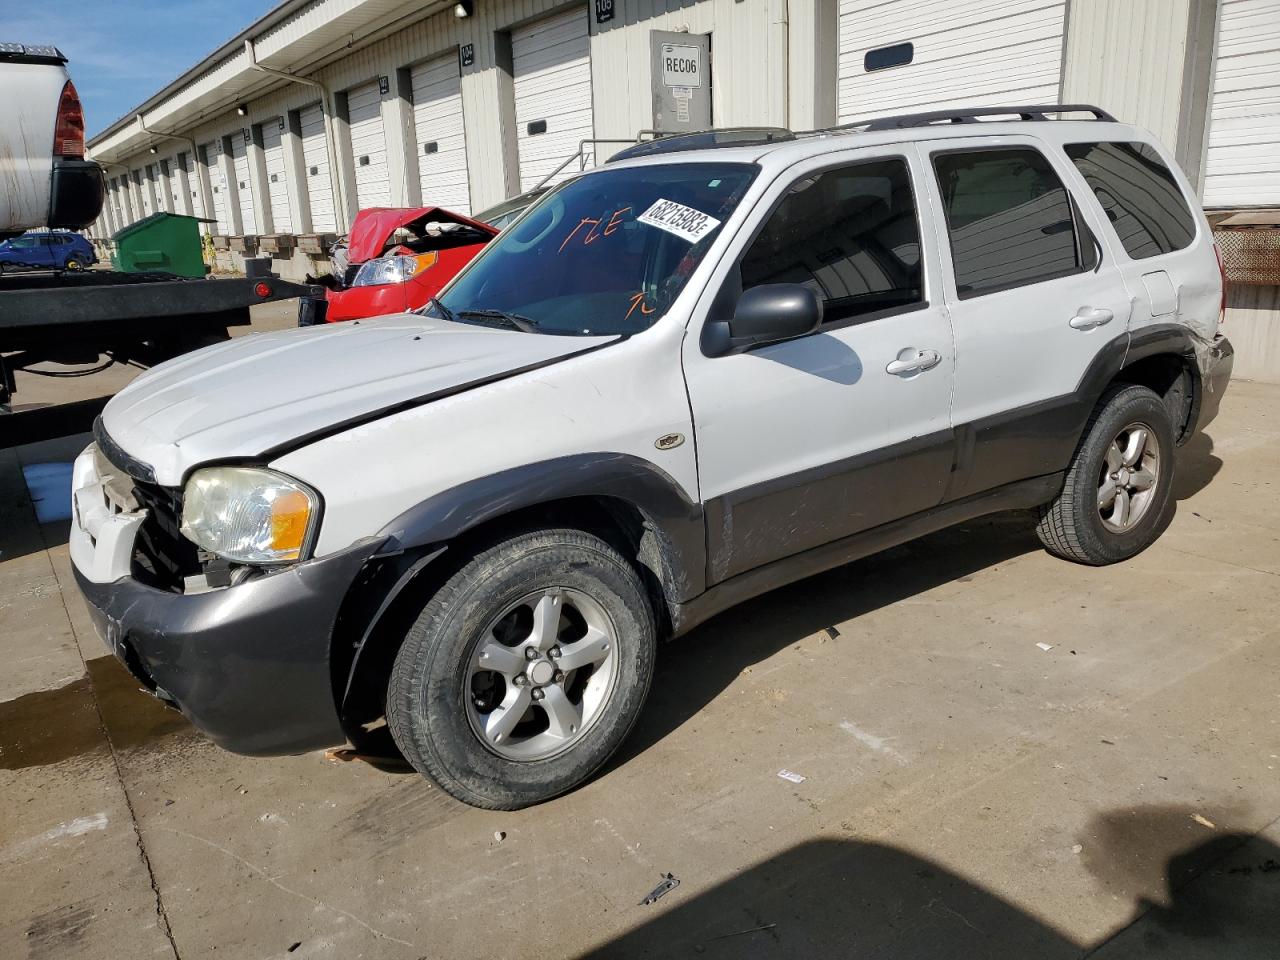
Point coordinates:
[(138, 318)]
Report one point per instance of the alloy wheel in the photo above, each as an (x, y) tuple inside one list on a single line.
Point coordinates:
[(541, 674), (1129, 477)]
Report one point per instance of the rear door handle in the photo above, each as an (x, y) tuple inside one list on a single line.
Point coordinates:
[(921, 360), (1087, 318)]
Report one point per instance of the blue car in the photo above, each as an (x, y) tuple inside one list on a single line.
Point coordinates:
[(55, 250)]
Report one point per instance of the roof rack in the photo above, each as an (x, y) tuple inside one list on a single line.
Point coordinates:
[(704, 140), (971, 115)]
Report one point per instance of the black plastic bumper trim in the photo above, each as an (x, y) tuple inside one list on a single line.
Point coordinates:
[(247, 665), (76, 192)]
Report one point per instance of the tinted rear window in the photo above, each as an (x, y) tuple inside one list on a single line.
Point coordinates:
[(1011, 221), (1139, 195)]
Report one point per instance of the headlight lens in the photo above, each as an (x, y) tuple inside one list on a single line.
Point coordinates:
[(373, 273), (248, 514)]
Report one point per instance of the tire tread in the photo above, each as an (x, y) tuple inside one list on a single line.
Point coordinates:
[(1058, 522), (405, 688)]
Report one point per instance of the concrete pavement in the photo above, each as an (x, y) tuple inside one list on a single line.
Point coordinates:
[(968, 793)]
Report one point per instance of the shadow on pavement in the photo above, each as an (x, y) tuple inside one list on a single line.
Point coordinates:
[(694, 669), (846, 898), (1196, 467)]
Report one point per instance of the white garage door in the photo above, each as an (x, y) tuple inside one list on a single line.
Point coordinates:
[(171, 186), (439, 140), (1242, 168), (962, 54), (146, 185), (243, 185), (552, 67), (193, 187), (315, 156), (127, 212), (118, 205), (277, 179), (369, 146), (218, 187)]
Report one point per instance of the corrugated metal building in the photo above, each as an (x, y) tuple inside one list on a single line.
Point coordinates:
[(326, 106)]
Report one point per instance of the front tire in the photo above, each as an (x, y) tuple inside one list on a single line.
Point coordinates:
[(525, 671), (1118, 494)]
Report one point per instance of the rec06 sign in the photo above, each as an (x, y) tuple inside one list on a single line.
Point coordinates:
[(681, 65)]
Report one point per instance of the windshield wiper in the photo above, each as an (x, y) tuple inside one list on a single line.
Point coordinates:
[(444, 311), (515, 320)]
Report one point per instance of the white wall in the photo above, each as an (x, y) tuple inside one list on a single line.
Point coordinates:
[(1253, 324)]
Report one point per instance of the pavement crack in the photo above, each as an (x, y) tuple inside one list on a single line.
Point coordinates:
[(162, 917), (289, 890), (1229, 563)]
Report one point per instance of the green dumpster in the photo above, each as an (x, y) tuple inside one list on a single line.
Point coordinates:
[(161, 243)]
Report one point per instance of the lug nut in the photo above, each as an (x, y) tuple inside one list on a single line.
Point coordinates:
[(537, 694), (559, 677), (553, 652), (521, 680), (530, 653)]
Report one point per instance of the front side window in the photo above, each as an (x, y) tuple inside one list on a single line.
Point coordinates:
[(606, 253), (1139, 195), (850, 235), (1010, 220)]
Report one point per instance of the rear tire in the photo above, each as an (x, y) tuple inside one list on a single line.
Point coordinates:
[(1118, 494), (525, 671)]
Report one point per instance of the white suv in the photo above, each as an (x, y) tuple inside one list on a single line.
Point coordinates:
[(675, 382)]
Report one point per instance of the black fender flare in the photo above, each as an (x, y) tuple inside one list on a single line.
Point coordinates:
[(1156, 338), (1172, 340), (646, 486), (423, 533)]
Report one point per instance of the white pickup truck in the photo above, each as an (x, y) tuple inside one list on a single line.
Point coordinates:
[(45, 180), (79, 317)]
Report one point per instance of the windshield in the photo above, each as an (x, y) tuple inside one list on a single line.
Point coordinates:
[(604, 254)]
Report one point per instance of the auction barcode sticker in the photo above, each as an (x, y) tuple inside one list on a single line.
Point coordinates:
[(685, 222)]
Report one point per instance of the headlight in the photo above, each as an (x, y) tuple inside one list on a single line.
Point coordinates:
[(248, 514), (374, 273)]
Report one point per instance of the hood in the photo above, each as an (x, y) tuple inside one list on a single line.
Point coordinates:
[(372, 228), (256, 393)]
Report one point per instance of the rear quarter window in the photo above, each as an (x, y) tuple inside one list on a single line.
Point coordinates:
[(1139, 195)]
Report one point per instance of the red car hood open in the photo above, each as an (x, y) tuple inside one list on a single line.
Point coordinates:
[(373, 227)]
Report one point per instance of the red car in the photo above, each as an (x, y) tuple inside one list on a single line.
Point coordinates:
[(397, 259)]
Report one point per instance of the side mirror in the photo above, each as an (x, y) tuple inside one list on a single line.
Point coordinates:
[(765, 314)]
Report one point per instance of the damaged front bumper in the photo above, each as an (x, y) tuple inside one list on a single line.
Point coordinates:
[(248, 665), (1215, 358)]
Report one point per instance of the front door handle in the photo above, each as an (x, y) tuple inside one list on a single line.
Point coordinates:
[(914, 362), (1087, 318)]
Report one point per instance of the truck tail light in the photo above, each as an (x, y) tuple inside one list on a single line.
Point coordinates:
[(68, 134), (1222, 272)]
